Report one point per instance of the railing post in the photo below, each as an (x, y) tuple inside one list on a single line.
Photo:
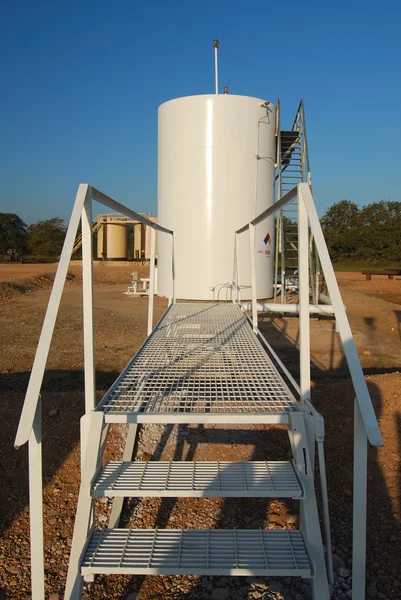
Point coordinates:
[(359, 506), (172, 299), (151, 279), (36, 506), (235, 297), (253, 275), (88, 305), (303, 279)]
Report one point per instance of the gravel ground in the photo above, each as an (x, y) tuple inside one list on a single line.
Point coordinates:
[(116, 315)]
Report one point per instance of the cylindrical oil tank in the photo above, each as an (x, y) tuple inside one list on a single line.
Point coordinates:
[(112, 241), (216, 159)]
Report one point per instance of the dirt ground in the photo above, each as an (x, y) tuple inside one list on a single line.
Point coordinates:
[(374, 310)]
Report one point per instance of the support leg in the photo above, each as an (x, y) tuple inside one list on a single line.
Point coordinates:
[(127, 456), (92, 425), (309, 517)]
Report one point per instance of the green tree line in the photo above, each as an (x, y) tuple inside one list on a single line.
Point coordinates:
[(42, 241), (371, 233)]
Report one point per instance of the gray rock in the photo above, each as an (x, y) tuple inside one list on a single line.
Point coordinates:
[(132, 596), (343, 572), (372, 591), (275, 586), (348, 593), (53, 413), (220, 594), (337, 562)]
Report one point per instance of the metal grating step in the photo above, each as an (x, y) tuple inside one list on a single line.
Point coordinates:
[(201, 364), (197, 552), (256, 479)]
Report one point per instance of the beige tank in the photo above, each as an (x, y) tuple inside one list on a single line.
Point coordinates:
[(142, 239), (112, 241)]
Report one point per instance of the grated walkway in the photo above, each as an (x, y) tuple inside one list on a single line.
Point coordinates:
[(202, 363)]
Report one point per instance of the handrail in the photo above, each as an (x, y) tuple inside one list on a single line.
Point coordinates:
[(108, 201), (286, 199), (35, 381), (366, 426), (362, 392), (29, 427)]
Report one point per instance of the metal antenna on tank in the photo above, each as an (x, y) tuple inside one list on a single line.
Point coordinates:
[(216, 65)]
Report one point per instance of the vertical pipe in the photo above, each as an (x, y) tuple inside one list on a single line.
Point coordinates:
[(172, 269), (36, 507), (87, 290), (359, 506), (235, 272), (216, 66), (253, 276), (303, 275), (238, 271), (151, 279)]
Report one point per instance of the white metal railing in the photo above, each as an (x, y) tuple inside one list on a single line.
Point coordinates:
[(29, 428), (366, 426)]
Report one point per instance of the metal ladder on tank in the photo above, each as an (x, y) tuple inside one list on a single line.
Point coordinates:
[(202, 363), (292, 167)]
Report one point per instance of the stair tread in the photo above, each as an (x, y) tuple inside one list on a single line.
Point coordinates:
[(198, 479), (197, 552)]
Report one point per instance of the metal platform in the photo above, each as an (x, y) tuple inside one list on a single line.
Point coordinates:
[(266, 479), (197, 552), (202, 363)]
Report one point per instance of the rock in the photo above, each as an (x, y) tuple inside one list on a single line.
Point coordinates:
[(348, 593), (372, 591), (53, 412), (102, 519), (343, 572), (14, 570), (132, 596), (54, 596), (291, 518), (274, 518), (220, 594), (338, 562), (275, 586)]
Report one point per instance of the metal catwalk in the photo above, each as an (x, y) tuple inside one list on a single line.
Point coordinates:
[(201, 361)]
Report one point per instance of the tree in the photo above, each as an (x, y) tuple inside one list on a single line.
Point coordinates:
[(340, 226), (12, 233), (46, 238)]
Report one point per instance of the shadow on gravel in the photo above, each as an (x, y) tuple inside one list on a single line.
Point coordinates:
[(63, 397)]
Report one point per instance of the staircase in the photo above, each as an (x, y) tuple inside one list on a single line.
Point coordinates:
[(292, 167), (201, 364)]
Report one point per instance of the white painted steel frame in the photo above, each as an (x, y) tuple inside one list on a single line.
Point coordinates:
[(29, 429), (366, 426)]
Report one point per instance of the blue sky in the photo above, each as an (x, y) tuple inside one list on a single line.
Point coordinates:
[(82, 80)]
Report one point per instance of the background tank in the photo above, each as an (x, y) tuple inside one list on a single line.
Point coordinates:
[(112, 241), (216, 158)]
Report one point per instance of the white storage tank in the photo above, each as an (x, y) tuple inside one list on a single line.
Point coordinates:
[(216, 158)]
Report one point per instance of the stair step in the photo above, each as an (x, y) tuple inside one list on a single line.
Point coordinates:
[(255, 479), (197, 552)]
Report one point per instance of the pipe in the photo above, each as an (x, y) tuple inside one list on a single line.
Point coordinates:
[(321, 309), (323, 298), (216, 66)]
